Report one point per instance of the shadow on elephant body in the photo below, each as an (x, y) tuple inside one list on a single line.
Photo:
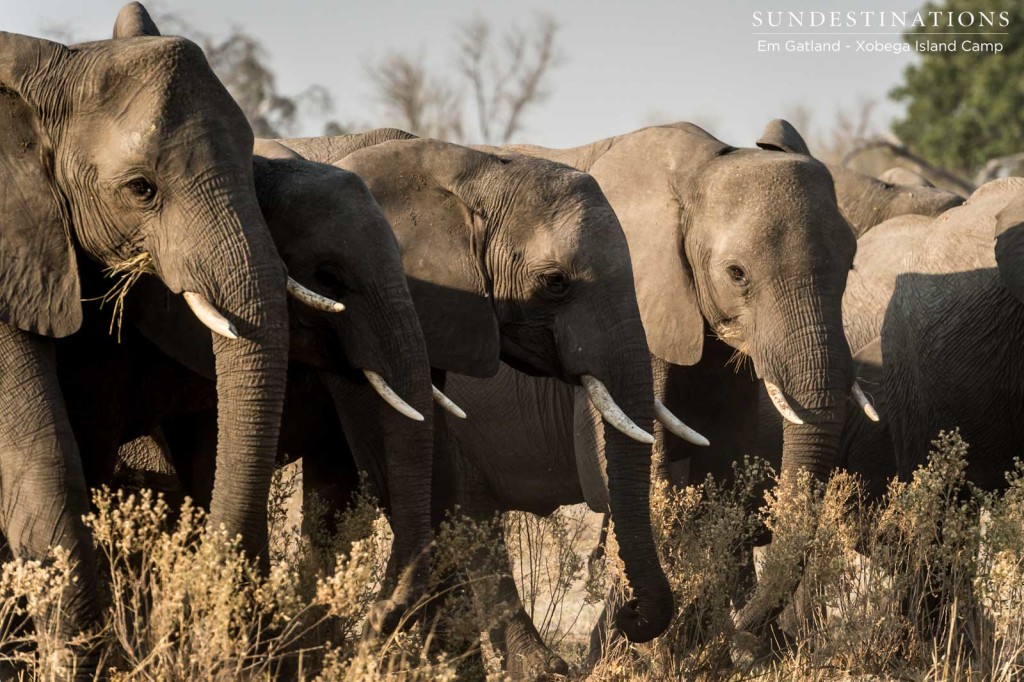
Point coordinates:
[(96, 143), (950, 342)]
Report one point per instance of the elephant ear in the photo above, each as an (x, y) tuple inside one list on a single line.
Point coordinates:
[(272, 149), (780, 135), (1010, 246), (904, 176), (640, 176), (133, 20), (420, 185), (39, 287)]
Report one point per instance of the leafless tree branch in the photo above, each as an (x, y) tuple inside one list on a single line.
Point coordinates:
[(504, 78)]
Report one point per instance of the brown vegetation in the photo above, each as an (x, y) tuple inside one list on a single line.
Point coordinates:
[(941, 597)]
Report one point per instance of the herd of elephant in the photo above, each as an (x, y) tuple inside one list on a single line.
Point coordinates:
[(359, 289)]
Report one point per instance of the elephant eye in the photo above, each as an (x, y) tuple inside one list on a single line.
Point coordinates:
[(737, 275), (555, 282), (328, 280), (141, 188)]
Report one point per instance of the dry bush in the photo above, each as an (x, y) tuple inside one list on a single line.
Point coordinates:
[(548, 566), (940, 598)]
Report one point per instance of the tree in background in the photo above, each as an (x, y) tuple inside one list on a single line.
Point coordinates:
[(832, 143), (505, 76), (965, 108), (243, 65)]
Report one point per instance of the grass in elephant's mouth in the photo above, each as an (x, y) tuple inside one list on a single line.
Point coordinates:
[(127, 273), (738, 360)]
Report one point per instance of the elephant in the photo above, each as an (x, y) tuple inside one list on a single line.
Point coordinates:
[(866, 447), (950, 333), (864, 200), (127, 153), (346, 352), (518, 260), (746, 244)]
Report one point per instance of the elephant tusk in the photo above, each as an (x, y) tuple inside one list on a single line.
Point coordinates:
[(390, 397), (676, 425), (447, 403), (210, 316), (779, 401), (857, 393), (612, 413), (313, 299)]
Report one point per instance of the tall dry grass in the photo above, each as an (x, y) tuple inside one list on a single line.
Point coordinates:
[(928, 584)]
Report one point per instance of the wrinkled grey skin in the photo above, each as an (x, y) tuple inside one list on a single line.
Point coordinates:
[(749, 245), (521, 260), (865, 447), (864, 200), (335, 240), (951, 333), (121, 147), (937, 299)]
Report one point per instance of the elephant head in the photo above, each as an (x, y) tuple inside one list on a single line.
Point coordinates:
[(522, 260), (133, 150), (750, 245), (335, 239), (746, 244), (866, 201)]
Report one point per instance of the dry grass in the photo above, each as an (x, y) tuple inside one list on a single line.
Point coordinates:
[(127, 273), (941, 597)]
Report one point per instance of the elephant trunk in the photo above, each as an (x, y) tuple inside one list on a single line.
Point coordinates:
[(380, 332), (235, 266), (817, 384), (408, 444), (629, 481)]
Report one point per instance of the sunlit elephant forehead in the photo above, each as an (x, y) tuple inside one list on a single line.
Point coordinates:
[(769, 178), (164, 79)]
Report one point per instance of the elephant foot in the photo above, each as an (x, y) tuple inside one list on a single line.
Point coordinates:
[(749, 653), (384, 618), (527, 657), (398, 610), (538, 665)]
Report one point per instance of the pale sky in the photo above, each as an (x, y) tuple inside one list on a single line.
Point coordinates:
[(625, 64)]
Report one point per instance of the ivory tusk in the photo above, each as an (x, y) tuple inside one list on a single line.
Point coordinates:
[(449, 406), (862, 401), (676, 425), (612, 413), (313, 299), (209, 315), (779, 401), (390, 397)]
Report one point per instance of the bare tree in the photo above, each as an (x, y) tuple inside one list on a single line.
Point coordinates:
[(505, 76), (506, 81), (423, 105), (849, 129), (243, 65)]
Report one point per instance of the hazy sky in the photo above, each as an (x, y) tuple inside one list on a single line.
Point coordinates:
[(626, 64)]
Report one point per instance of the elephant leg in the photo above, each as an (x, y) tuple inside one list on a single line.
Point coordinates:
[(526, 655), (192, 439), (147, 462), (330, 482), (515, 636), (43, 494)]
